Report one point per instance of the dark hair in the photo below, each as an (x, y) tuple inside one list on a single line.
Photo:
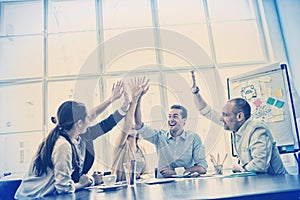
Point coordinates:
[(68, 114), (183, 110), (241, 105)]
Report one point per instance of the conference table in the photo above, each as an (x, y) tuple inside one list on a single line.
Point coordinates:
[(261, 186)]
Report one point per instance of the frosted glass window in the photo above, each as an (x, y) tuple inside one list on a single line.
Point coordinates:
[(178, 87), (172, 12), (237, 41), (230, 9), (21, 57), (72, 15), (126, 13), (210, 90), (136, 50), (85, 91), (190, 42), (21, 108), (21, 18), (17, 151), (72, 53)]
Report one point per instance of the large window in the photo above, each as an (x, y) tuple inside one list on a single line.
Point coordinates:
[(52, 51)]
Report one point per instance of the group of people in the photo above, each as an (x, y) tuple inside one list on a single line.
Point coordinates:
[(66, 155)]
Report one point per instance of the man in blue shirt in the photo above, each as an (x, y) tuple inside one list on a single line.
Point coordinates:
[(175, 147)]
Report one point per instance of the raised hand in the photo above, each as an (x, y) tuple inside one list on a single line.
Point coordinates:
[(117, 90), (145, 85), (136, 92), (194, 88), (139, 82), (193, 79), (126, 103)]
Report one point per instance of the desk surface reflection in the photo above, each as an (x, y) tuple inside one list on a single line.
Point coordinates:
[(250, 187)]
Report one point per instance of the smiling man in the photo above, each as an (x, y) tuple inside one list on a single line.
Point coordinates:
[(175, 147)]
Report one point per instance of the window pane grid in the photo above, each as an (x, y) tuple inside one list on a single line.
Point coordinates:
[(21, 18), (230, 10), (67, 52), (71, 15)]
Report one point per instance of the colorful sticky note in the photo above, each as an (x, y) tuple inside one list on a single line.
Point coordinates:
[(257, 102), (278, 93), (271, 101), (279, 104), (290, 148)]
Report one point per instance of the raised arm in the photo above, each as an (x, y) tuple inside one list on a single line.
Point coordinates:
[(201, 104), (136, 90), (199, 101), (138, 112), (117, 91), (126, 127)]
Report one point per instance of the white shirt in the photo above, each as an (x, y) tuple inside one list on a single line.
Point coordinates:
[(57, 180)]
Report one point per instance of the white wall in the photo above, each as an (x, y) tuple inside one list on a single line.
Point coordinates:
[(283, 19)]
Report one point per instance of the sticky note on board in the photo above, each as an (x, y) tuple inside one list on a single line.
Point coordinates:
[(278, 93), (277, 111), (290, 148), (257, 102), (279, 104), (266, 92), (271, 101), (276, 118)]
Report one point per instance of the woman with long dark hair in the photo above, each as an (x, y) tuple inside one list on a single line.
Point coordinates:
[(67, 153), (57, 158)]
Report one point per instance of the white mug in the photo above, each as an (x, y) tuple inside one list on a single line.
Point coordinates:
[(179, 171), (109, 180)]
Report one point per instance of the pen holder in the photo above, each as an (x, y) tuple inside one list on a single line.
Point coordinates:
[(218, 169)]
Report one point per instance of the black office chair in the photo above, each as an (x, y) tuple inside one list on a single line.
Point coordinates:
[(8, 189)]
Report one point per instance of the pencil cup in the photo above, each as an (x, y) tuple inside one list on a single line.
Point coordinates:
[(218, 169), (130, 172)]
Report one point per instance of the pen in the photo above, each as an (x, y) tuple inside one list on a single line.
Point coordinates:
[(224, 158), (213, 160)]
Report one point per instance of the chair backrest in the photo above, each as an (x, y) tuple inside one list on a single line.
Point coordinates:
[(8, 189)]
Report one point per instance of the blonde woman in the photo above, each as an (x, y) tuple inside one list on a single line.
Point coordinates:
[(127, 146)]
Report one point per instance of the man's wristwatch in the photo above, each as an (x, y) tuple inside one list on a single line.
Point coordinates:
[(196, 90)]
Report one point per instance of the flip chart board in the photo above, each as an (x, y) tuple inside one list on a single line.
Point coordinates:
[(268, 91)]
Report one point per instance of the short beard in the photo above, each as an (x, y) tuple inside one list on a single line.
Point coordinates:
[(173, 130)]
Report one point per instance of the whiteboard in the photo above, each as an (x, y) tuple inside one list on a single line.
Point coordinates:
[(268, 91)]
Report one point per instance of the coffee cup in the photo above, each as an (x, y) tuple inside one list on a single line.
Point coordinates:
[(179, 171), (109, 180)]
